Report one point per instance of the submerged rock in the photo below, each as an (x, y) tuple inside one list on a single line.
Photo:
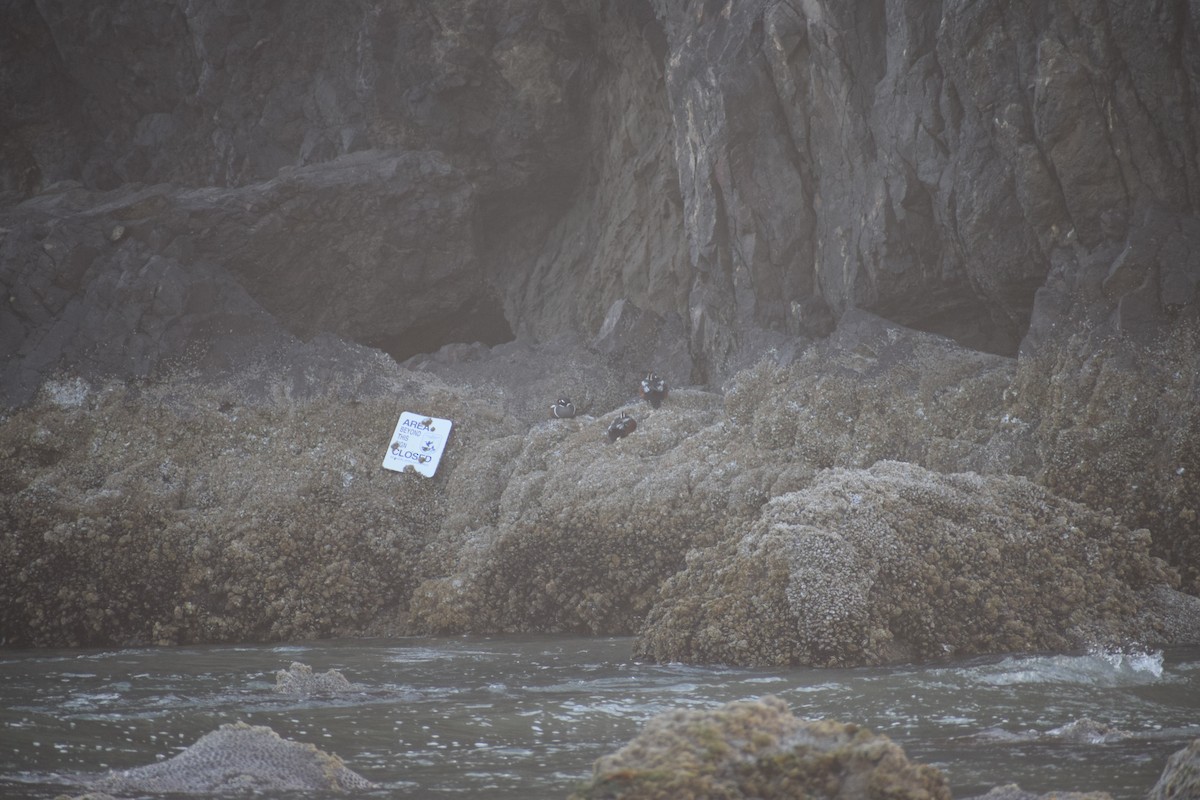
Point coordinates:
[(238, 758), (758, 749)]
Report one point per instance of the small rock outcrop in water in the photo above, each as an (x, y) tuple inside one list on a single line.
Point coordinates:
[(1014, 792), (1181, 777), (300, 679), (758, 749), (1088, 731), (238, 758)]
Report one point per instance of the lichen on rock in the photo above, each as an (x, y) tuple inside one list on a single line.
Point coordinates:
[(753, 527)]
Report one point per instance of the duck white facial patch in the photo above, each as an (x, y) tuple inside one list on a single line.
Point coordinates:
[(417, 444)]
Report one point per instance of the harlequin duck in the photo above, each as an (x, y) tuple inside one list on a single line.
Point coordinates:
[(654, 389), (621, 427), (562, 409)]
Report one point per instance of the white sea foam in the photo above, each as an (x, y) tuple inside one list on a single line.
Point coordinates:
[(1099, 668), (1135, 663)]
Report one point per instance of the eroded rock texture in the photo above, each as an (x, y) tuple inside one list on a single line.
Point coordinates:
[(409, 176), (235, 242)]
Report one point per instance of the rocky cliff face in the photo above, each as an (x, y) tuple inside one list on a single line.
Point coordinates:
[(407, 176), (526, 198)]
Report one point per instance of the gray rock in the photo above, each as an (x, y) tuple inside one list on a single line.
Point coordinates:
[(1181, 776), (897, 563), (252, 508), (238, 758), (929, 165)]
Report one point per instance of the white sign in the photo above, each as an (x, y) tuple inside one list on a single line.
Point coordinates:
[(417, 444)]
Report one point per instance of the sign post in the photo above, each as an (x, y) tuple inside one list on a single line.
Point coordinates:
[(417, 444)]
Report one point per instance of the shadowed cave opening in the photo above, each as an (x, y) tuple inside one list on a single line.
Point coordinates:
[(972, 326), (970, 321), (481, 319)]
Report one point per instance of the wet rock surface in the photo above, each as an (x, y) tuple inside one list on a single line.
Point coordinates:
[(299, 679), (1113, 423), (183, 512), (238, 758), (1181, 776), (759, 749)]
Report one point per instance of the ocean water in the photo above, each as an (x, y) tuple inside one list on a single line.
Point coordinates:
[(525, 716)]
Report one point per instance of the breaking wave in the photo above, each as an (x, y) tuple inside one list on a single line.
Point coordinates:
[(1094, 668)]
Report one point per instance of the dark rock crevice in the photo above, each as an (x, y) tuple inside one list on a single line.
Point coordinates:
[(481, 321)]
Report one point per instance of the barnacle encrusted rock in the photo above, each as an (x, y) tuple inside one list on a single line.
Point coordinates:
[(559, 531), (759, 749), (254, 508), (300, 679), (250, 509), (1115, 423), (1181, 776), (896, 561), (238, 758), (875, 390), (584, 532)]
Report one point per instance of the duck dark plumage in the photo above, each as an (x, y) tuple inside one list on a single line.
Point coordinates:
[(621, 427), (654, 389), (562, 409)]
